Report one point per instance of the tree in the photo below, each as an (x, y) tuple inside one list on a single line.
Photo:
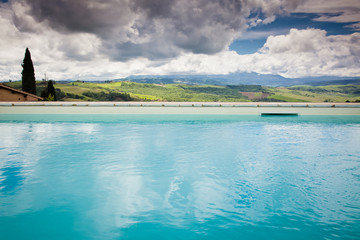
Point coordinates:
[(49, 93), (28, 74)]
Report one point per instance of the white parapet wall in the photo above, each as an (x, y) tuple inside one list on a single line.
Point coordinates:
[(226, 108)]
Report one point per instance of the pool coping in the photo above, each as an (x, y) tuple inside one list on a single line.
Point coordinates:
[(235, 108)]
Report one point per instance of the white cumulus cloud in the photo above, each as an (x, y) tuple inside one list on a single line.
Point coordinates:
[(299, 53), (309, 52)]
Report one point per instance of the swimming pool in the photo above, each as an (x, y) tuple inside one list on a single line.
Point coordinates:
[(179, 177)]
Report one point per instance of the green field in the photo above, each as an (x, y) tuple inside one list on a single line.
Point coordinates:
[(131, 91)]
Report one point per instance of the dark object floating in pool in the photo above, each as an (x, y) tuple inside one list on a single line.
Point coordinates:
[(279, 114)]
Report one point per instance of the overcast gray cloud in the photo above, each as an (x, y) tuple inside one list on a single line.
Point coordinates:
[(332, 10)]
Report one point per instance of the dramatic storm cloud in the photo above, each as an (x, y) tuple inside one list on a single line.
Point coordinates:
[(91, 39), (142, 28)]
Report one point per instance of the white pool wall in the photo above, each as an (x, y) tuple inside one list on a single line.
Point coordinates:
[(225, 108)]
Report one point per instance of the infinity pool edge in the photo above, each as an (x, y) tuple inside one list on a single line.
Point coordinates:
[(225, 108)]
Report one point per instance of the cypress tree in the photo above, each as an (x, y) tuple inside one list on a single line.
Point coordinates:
[(28, 74)]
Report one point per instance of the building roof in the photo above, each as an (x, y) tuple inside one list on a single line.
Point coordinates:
[(20, 91)]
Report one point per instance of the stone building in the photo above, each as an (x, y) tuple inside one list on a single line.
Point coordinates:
[(10, 94)]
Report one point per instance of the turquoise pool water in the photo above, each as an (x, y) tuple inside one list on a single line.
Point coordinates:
[(179, 177)]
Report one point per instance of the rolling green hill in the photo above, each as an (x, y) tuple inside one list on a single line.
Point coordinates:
[(131, 91)]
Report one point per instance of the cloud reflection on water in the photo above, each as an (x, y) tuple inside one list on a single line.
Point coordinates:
[(113, 177)]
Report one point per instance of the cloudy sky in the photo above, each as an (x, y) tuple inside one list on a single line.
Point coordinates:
[(98, 40)]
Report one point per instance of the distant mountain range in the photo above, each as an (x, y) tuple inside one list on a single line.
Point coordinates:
[(243, 79), (237, 79)]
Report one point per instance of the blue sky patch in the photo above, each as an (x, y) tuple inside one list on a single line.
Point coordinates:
[(252, 40)]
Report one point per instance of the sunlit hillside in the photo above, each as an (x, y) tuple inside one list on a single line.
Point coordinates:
[(131, 91)]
